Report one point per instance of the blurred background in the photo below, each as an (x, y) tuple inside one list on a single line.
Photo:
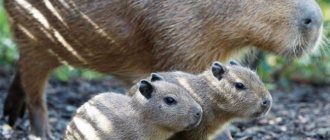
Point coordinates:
[(300, 90)]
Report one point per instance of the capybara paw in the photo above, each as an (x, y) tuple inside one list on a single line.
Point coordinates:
[(13, 110)]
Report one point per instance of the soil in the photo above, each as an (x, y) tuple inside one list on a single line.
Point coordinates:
[(302, 112)]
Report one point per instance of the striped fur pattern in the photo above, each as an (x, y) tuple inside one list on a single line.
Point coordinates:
[(132, 38), (221, 101), (141, 117)]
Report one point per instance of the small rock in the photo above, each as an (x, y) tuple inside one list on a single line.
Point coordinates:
[(283, 128), (7, 131), (70, 108)]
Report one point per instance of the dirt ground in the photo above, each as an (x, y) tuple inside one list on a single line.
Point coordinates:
[(302, 113)]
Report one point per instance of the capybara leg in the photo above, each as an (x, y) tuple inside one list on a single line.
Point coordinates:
[(34, 76), (14, 106), (39, 119)]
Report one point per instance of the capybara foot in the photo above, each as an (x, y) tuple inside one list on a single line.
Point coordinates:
[(39, 121), (15, 105), (13, 111)]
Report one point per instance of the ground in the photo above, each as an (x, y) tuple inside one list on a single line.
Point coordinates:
[(302, 112)]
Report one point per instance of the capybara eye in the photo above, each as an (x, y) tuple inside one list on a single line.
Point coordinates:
[(240, 86), (170, 101)]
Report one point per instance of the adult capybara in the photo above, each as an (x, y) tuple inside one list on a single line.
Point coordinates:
[(131, 38)]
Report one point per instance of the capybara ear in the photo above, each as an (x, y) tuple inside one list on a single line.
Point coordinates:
[(146, 88), (234, 62), (218, 70), (156, 77)]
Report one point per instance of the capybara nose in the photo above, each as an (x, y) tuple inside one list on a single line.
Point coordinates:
[(311, 21), (310, 16), (198, 114), (266, 103)]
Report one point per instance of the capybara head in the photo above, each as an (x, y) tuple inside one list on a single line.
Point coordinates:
[(241, 93), (287, 27), (167, 105)]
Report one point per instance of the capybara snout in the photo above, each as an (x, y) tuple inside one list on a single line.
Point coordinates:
[(265, 105), (196, 117), (309, 16), (288, 27)]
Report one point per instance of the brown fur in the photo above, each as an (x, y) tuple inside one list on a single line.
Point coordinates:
[(220, 100), (131, 38), (119, 117)]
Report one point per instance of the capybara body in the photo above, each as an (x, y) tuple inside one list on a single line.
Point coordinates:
[(155, 112), (225, 92), (131, 38)]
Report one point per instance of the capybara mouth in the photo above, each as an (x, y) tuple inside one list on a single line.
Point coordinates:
[(301, 50), (304, 47), (193, 125), (296, 51), (260, 113)]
